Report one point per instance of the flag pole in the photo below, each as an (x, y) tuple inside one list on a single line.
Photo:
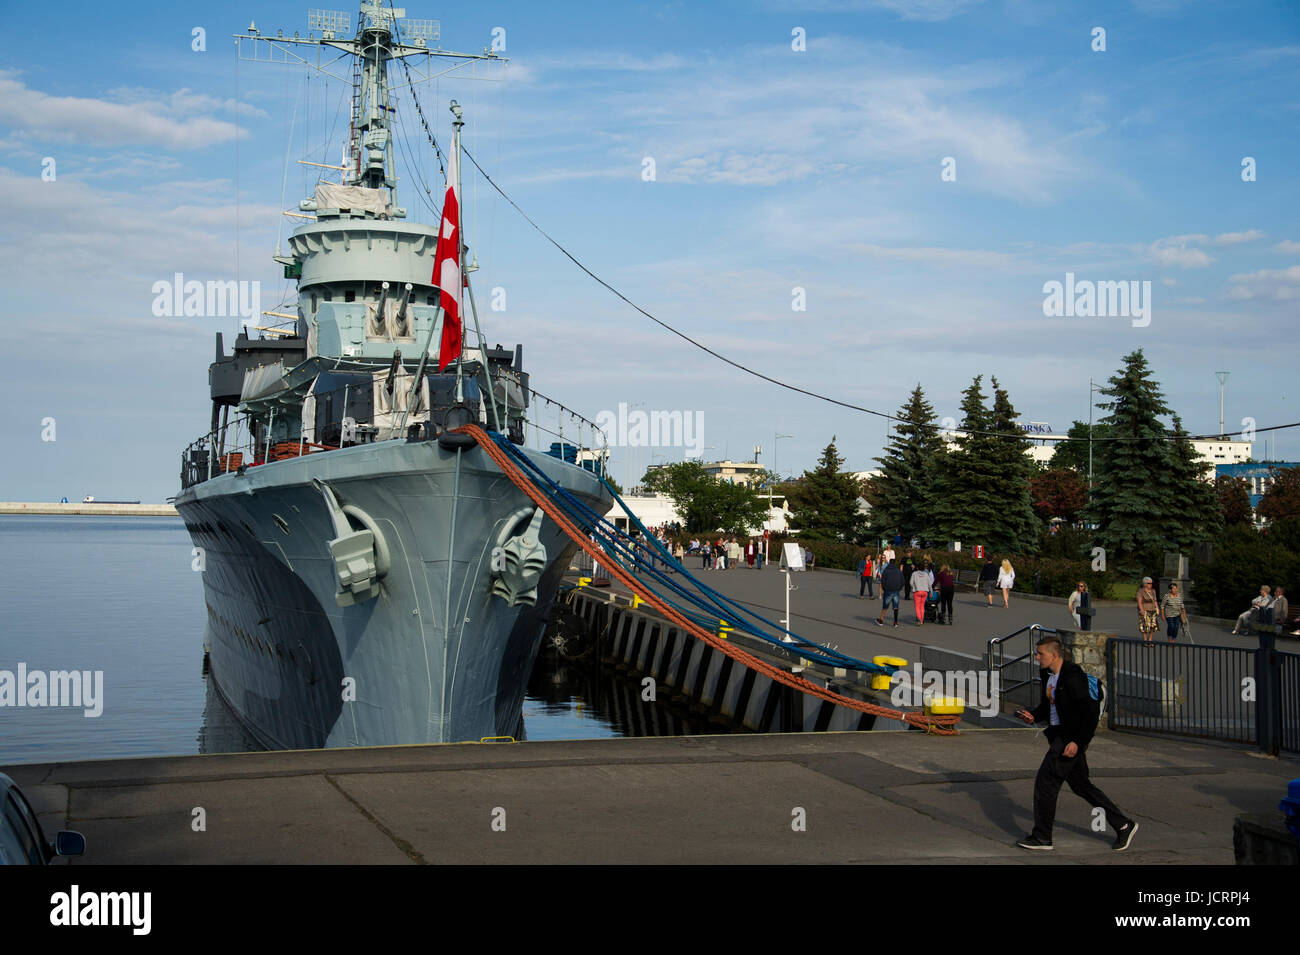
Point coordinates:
[(456, 125)]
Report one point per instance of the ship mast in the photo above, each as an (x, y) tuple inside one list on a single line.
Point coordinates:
[(370, 161)]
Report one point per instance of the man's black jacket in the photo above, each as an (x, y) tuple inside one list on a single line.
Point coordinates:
[(1075, 706), (891, 578), (989, 572)]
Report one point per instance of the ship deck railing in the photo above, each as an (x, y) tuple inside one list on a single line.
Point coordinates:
[(250, 438)]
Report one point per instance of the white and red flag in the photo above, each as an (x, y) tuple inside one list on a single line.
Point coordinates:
[(446, 270)]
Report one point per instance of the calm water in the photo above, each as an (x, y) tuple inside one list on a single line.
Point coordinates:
[(118, 595)]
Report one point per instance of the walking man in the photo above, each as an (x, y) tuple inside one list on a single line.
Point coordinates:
[(1071, 715), (891, 583)]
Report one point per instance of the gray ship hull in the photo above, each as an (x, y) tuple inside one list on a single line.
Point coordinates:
[(435, 657)]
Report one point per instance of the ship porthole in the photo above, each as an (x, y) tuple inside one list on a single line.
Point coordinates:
[(280, 522)]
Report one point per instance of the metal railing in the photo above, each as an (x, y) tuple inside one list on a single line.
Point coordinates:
[(1023, 665), (1233, 694), (249, 439)]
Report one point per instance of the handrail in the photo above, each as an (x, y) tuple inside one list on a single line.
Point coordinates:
[(995, 645), (225, 454)]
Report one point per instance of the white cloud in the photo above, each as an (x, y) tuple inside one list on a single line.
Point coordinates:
[(1267, 284), (169, 121), (1236, 238), (1287, 245), (1175, 251)]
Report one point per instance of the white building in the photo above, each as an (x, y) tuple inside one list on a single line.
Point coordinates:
[(1209, 452)]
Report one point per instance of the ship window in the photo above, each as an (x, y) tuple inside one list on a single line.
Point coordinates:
[(349, 296), (313, 303), (428, 299), (329, 296)]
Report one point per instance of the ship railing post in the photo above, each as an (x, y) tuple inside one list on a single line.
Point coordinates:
[(212, 453), (270, 425)]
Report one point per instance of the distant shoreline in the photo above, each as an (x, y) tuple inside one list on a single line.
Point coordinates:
[(104, 510)]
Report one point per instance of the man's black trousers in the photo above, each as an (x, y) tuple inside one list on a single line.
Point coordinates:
[(1057, 769)]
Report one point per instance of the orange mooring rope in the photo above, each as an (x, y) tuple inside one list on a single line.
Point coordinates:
[(942, 725)]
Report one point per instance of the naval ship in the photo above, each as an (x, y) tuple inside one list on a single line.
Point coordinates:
[(371, 577)]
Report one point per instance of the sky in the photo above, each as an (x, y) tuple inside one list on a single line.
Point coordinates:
[(851, 196)]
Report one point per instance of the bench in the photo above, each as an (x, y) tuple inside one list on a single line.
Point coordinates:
[(968, 578)]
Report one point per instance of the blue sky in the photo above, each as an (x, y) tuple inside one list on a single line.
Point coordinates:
[(775, 169)]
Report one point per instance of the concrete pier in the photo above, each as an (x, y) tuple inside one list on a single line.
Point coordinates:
[(805, 798), (103, 510)]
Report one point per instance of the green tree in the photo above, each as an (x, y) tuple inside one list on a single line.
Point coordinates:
[(902, 495), (966, 503), (1018, 528), (1196, 505), (1144, 498), (825, 501), (705, 503), (1072, 453)]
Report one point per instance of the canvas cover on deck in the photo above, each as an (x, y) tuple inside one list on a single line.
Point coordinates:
[(332, 195)]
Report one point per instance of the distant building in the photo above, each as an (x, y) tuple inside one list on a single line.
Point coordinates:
[(1211, 452), (735, 472)]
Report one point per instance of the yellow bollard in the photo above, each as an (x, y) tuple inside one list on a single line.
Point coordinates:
[(724, 629), (945, 706), (636, 601), (584, 581), (883, 681)]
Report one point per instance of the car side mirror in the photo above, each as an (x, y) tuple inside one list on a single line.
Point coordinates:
[(69, 843)]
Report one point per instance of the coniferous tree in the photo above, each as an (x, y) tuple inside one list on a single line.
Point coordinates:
[(1197, 511), (825, 501), (901, 496), (1137, 481), (965, 501), (1018, 528)]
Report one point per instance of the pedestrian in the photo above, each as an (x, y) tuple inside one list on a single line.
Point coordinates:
[(866, 572), (734, 553), (704, 556), (888, 556), (947, 587), (1076, 599), (920, 593), (1257, 607), (891, 584), (988, 579), (1006, 580), (749, 553), (1071, 715), (1173, 612), (908, 569), (760, 556), (1148, 604), (1281, 609)]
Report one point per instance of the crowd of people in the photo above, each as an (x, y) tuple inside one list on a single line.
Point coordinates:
[(913, 578)]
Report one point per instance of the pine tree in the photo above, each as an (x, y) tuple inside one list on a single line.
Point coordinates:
[(825, 501), (901, 496), (965, 502), (1018, 529), (1197, 508), (1135, 498)]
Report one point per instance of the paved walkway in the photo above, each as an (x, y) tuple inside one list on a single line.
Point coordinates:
[(900, 797), (826, 608)]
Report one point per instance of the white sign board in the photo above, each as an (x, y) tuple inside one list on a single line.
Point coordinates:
[(792, 557)]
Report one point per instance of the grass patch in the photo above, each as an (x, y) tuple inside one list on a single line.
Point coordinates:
[(1124, 591)]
